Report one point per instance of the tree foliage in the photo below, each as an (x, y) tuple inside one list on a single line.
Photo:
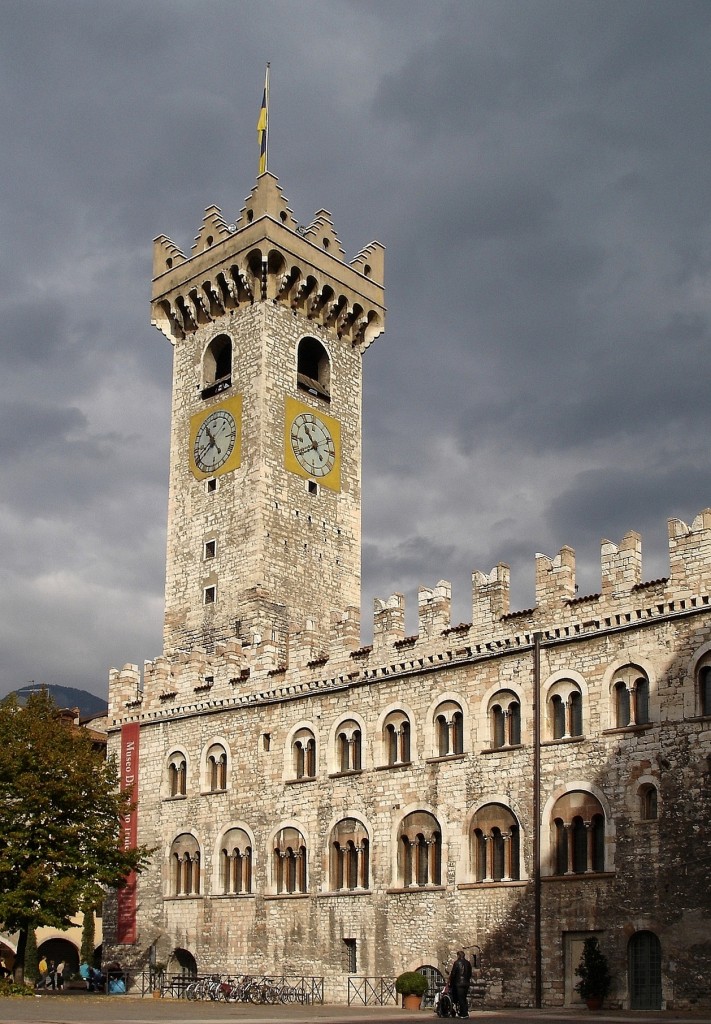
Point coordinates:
[(60, 818)]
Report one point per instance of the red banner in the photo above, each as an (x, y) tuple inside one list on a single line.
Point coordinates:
[(126, 923)]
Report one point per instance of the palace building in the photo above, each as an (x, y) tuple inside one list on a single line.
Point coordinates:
[(509, 785)]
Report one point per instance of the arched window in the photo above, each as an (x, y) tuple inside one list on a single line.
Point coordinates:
[(313, 368), (177, 774), (565, 710), (216, 768), (648, 802), (289, 861), (349, 747), (704, 685), (236, 862), (217, 365), (396, 738), (495, 844), (505, 720), (349, 851), (419, 851), (185, 866), (577, 834), (630, 689), (449, 729), (303, 750)]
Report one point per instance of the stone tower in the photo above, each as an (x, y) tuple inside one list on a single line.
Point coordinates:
[(268, 323)]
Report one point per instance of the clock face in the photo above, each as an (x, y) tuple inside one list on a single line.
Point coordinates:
[(215, 440), (311, 442)]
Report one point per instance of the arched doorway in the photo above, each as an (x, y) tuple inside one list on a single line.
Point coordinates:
[(435, 981), (644, 971), (61, 950), (183, 962)]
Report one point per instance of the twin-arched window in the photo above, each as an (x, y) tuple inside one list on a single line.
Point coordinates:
[(303, 749), (396, 738), (349, 747), (177, 774), (630, 690), (449, 729), (216, 768), (505, 719), (565, 710)]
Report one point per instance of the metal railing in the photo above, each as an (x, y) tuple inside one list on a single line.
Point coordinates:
[(371, 991), (235, 987)]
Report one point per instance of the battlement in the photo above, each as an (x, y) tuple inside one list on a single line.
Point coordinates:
[(265, 255), (238, 672)]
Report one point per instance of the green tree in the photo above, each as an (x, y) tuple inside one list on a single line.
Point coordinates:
[(88, 935), (60, 820)]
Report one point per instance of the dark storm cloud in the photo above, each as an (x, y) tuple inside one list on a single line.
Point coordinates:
[(540, 175)]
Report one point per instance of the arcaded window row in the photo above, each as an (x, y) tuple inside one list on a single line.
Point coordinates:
[(445, 732), (576, 843)]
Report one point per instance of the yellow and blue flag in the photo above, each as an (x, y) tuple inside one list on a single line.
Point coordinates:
[(263, 126)]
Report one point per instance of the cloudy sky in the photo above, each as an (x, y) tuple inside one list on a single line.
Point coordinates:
[(539, 172)]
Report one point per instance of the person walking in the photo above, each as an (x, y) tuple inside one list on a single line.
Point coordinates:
[(42, 968), (460, 978), (59, 975)]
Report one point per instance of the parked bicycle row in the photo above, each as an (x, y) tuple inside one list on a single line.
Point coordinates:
[(246, 989)]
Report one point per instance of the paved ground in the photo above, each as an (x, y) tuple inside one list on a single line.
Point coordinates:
[(100, 1009)]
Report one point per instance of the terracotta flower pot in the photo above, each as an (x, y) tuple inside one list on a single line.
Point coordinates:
[(594, 1002), (411, 1001)]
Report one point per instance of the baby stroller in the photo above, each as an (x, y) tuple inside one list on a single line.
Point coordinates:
[(443, 1004)]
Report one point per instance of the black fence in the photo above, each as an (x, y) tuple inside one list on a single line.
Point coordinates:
[(235, 987), (371, 992)]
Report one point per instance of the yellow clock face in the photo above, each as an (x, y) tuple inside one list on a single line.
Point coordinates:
[(312, 443), (215, 436)]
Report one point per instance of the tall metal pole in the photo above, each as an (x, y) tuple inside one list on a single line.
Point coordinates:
[(537, 818), (266, 92)]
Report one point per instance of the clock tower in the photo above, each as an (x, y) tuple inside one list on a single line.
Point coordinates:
[(268, 323)]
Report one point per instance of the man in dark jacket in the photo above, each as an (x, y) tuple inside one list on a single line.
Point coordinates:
[(459, 980)]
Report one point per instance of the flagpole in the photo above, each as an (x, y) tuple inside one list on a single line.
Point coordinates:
[(266, 92)]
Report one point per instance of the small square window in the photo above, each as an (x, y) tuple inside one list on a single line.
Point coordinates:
[(210, 549), (210, 595), (312, 487), (210, 485)]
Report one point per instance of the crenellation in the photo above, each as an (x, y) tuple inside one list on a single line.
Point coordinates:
[(490, 599), (621, 565), (124, 688), (434, 609), (212, 230), (166, 255), (388, 621), (555, 577), (345, 631), (690, 552)]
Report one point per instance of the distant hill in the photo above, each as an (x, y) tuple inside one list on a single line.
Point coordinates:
[(67, 697)]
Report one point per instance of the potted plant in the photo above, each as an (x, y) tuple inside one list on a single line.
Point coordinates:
[(412, 986), (594, 973)]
